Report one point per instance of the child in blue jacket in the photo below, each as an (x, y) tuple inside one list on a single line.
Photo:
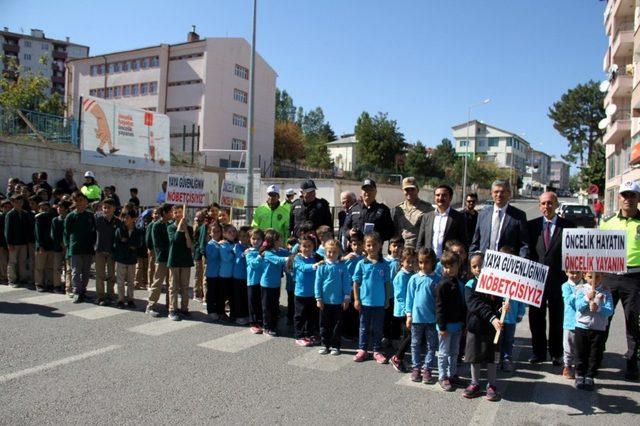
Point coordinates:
[(351, 321), (514, 315), (224, 292), (275, 259), (400, 284), (255, 267), (305, 319), (240, 277), (574, 279), (212, 270)]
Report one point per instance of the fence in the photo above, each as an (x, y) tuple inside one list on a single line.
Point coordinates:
[(39, 126)]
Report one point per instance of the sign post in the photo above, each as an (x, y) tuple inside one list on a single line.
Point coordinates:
[(186, 190)]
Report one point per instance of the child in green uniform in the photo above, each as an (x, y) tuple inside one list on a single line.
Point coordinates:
[(180, 262), (127, 242), (79, 239)]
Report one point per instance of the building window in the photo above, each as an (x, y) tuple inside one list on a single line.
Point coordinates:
[(239, 120), (116, 67), (45, 46), (240, 96), (463, 143), (611, 166), (242, 72), (135, 65), (181, 57), (145, 63), (110, 93), (143, 89), (125, 66), (155, 61), (134, 90), (509, 160), (100, 69), (182, 83), (92, 92), (238, 144), (27, 43), (153, 88), (494, 142), (26, 56), (101, 93), (110, 68), (92, 70), (482, 142), (126, 91), (116, 92)]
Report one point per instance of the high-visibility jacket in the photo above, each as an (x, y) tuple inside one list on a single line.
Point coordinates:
[(265, 217), (632, 226)]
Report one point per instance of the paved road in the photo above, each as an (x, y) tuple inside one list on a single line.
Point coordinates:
[(62, 363)]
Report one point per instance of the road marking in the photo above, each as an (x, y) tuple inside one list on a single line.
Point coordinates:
[(314, 361), (53, 364), (47, 299), (163, 326), (97, 312), (8, 289), (235, 342)]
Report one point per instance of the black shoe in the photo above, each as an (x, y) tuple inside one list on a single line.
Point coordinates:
[(120, 305), (589, 384), (40, 289), (78, 298), (536, 359), (632, 370), (185, 314), (58, 290), (557, 361), (580, 382), (131, 304)]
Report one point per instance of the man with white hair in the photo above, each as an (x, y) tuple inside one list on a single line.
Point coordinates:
[(347, 201)]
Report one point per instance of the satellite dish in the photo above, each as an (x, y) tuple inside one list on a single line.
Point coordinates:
[(604, 86), (611, 109), (613, 68), (603, 123)]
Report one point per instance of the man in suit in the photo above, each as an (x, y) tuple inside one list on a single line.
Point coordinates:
[(501, 225), (442, 224), (545, 235)]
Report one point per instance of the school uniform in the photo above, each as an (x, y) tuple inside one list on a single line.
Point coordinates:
[(148, 241), (332, 286), (160, 239), (31, 245), (79, 238), (372, 279), (482, 309), (240, 281), (224, 290), (203, 240), (569, 323), (420, 306), (4, 253), (142, 260), (179, 262), (514, 316), (351, 317), (212, 272), (274, 263), (104, 263), (590, 331), (305, 319), (126, 244), (16, 230), (198, 260), (450, 312), (255, 266), (400, 284), (392, 325), (44, 251), (61, 266)]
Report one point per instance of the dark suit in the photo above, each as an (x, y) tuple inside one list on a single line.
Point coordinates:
[(455, 229), (513, 233), (552, 297)]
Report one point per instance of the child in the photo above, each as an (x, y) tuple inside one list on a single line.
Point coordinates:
[(324, 234), (212, 270), (79, 238), (148, 240), (44, 248), (240, 276), (292, 246), (483, 321), (134, 197), (16, 230), (351, 322), (514, 313), (420, 308), (255, 268), (371, 297), (198, 254), (106, 225), (180, 262), (224, 291), (160, 244), (224, 217), (305, 320), (574, 279), (61, 266), (400, 283), (142, 261), (274, 263), (127, 242), (594, 306), (332, 290), (5, 207), (392, 326)]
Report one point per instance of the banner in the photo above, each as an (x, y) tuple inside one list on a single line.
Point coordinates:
[(586, 249), (117, 135), (187, 190), (514, 277), (232, 194)]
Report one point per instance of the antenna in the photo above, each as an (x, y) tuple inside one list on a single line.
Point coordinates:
[(193, 28), (604, 86), (611, 109)]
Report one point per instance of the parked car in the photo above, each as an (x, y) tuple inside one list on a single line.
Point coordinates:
[(580, 215)]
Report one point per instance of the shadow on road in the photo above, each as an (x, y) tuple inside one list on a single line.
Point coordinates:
[(28, 309)]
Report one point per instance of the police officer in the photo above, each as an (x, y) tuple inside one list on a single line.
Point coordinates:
[(369, 215), (309, 208), (626, 287), (272, 214)]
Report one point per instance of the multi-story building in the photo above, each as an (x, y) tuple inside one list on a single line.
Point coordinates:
[(559, 175), (621, 59), (343, 152), (202, 83), (540, 166), (29, 49), (503, 148)]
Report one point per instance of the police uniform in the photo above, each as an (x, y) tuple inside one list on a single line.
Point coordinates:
[(317, 211), (377, 214)]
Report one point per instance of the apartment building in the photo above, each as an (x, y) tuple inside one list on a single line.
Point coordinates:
[(343, 152), (621, 64), (203, 82), (28, 49), (559, 174), (502, 147)]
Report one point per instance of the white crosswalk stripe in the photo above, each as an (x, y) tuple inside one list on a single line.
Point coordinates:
[(162, 326), (8, 289), (46, 299), (405, 380), (312, 360), (235, 342), (97, 312)]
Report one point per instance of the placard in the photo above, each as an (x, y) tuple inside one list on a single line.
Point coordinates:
[(512, 277), (598, 250), (186, 189), (232, 194)]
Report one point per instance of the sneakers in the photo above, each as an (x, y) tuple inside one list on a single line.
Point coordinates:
[(58, 290), (213, 316), (270, 333), (567, 373), (323, 350), (556, 361), (78, 298), (131, 304), (313, 340), (152, 312), (589, 384), (507, 365), (397, 364), (472, 391), (427, 376), (14, 285), (173, 316), (360, 355), (335, 351), (416, 375), (446, 385), (492, 393), (40, 289), (242, 321), (255, 329), (457, 381), (302, 342), (580, 382), (185, 314), (120, 304), (380, 358)]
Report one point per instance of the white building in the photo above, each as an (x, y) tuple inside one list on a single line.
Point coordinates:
[(505, 149), (343, 152), (203, 82), (28, 49), (559, 174)]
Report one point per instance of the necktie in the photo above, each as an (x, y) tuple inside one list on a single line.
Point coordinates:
[(495, 228), (547, 234)]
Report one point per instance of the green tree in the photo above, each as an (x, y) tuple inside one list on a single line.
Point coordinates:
[(316, 152), (285, 109), (379, 140), (576, 116), (288, 142), (595, 171), (416, 162)]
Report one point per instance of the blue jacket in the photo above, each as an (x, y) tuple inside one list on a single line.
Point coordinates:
[(588, 320), (255, 267), (213, 259), (394, 266), (569, 296), (333, 283), (372, 279), (240, 262), (351, 265), (305, 275), (400, 283), (320, 251), (227, 259), (516, 312), (273, 267), (421, 298)]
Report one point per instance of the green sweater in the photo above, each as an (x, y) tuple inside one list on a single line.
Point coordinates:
[(16, 227), (160, 241), (79, 233), (57, 233), (43, 231), (179, 254), (126, 245)]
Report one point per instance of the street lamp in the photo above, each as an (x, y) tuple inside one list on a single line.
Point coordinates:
[(466, 154)]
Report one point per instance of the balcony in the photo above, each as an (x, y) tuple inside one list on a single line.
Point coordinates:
[(620, 88), (10, 47), (619, 127), (623, 40), (59, 79), (59, 55)]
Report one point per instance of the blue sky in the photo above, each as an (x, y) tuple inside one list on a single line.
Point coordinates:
[(424, 62)]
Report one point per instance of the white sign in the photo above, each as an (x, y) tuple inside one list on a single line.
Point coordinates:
[(232, 194), (512, 277), (117, 135), (187, 190), (594, 250)]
